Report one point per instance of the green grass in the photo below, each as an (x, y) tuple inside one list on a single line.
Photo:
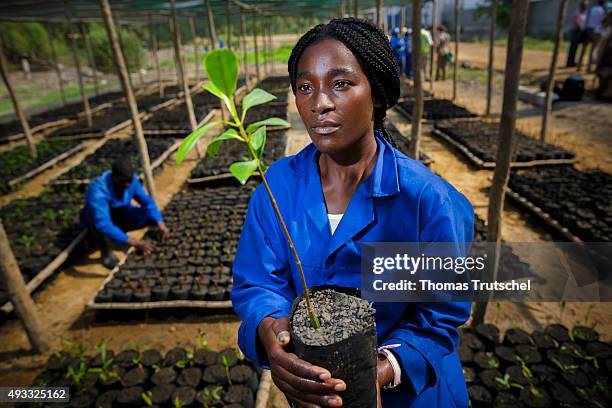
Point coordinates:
[(532, 43)]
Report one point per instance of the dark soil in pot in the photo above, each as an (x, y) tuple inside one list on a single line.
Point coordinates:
[(216, 294), (190, 377), (479, 396), (135, 376), (535, 397), (488, 378), (205, 358), (469, 374), (517, 375), (239, 394), (227, 356), (184, 396), (142, 295), (471, 341), (516, 336), (161, 394), (179, 292), (528, 353), (563, 395), (505, 400), (151, 357), (466, 355), (215, 375), (584, 335), (126, 358), (83, 399), (174, 356), (486, 360), (244, 374), (198, 292), (489, 334), (558, 332), (345, 343), (575, 377), (544, 372), (160, 293), (165, 375), (106, 399), (205, 397), (130, 397), (506, 355)]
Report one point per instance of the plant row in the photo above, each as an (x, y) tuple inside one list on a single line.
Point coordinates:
[(176, 117), (17, 161), (141, 377), (579, 200), (403, 142), (482, 138), (550, 368), (437, 109), (195, 263), (101, 160), (101, 122)]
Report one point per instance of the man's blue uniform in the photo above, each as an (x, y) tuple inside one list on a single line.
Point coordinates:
[(401, 201), (112, 214), (397, 45), (408, 53)]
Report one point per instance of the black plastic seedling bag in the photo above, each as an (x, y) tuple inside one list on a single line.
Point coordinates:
[(352, 359)]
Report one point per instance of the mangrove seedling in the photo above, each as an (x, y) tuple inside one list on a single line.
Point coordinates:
[(147, 398), (213, 394), (506, 383), (222, 69), (226, 364)]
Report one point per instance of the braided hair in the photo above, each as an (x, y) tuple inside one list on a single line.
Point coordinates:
[(371, 48)]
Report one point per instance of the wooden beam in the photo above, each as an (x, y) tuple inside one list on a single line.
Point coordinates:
[(56, 67), (19, 296), (417, 108), (456, 60), (229, 24), (507, 141), (122, 71), (90, 57), (379, 14), (244, 44), (432, 49), (257, 70), (211, 25), (491, 56), (356, 11), (153, 40), (19, 112), (195, 49), (553, 69), (77, 64)]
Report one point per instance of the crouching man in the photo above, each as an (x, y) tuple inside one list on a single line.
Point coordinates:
[(108, 212)]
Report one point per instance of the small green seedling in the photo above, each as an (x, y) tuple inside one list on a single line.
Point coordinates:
[(147, 398), (222, 69), (213, 394), (226, 364), (505, 381)]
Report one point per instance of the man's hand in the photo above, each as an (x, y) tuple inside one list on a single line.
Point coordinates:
[(165, 232), (145, 246), (308, 385)]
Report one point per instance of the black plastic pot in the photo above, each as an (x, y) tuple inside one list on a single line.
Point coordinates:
[(239, 394), (160, 394), (190, 377), (130, 397), (165, 375), (353, 359), (160, 293)]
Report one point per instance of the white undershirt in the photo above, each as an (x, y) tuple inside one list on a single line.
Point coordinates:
[(334, 220)]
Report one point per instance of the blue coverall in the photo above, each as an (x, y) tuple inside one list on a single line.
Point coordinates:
[(111, 214), (401, 201), (397, 45), (408, 55)]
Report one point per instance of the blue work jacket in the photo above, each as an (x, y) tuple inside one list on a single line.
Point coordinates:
[(101, 196), (397, 44), (401, 201)]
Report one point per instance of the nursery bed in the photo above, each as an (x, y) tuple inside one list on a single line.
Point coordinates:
[(193, 268), (572, 202), (436, 109), (403, 143), (478, 142), (104, 123), (173, 119), (92, 166)]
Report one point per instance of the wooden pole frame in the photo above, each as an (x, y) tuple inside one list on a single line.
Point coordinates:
[(58, 71), (456, 59), (129, 96), (229, 24), (417, 108), (244, 44), (195, 49), (153, 40), (257, 69), (19, 112), (379, 14), (553, 69), (491, 56), (20, 298), (211, 25), (356, 8), (432, 49), (90, 57), (179, 65), (507, 141)]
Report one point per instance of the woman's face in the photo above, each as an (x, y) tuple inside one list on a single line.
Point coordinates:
[(333, 97)]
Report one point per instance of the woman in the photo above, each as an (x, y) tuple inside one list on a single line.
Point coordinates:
[(348, 187), (442, 51)]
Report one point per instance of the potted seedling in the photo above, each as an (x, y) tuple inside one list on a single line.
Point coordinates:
[(346, 339)]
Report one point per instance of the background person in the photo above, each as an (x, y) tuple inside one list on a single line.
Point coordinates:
[(442, 51), (593, 27), (408, 52), (576, 33), (397, 45), (109, 214)]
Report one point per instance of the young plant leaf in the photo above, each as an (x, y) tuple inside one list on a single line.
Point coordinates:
[(258, 141), (212, 88), (215, 144), (268, 122), (222, 69), (256, 97), (190, 141), (243, 170)]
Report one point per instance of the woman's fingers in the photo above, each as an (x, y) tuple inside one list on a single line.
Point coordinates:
[(304, 399), (307, 385)]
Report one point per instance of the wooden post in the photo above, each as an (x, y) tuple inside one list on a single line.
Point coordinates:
[(244, 44), (456, 60), (432, 49), (90, 57), (417, 108), (179, 66), (491, 54), (195, 49), (56, 67), (379, 14), (257, 71), (153, 41), (122, 71), (507, 139), (553, 69), (23, 120), (211, 25), (77, 64), (356, 11), (229, 24), (19, 296)]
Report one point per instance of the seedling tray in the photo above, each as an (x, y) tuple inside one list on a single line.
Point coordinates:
[(480, 149), (177, 132), (436, 109), (106, 123), (403, 143), (176, 122)]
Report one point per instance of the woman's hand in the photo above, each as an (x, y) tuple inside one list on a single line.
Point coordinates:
[(308, 385), (384, 375)]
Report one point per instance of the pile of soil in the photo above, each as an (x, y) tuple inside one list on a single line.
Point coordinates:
[(551, 368), (191, 377), (101, 122), (101, 160), (437, 109), (17, 161), (195, 263), (403, 143), (578, 200), (481, 138), (39, 228), (232, 150)]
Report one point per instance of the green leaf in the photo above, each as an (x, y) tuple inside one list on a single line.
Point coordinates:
[(212, 88), (256, 97), (258, 140), (243, 170), (190, 141), (215, 144), (222, 69), (268, 122)]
